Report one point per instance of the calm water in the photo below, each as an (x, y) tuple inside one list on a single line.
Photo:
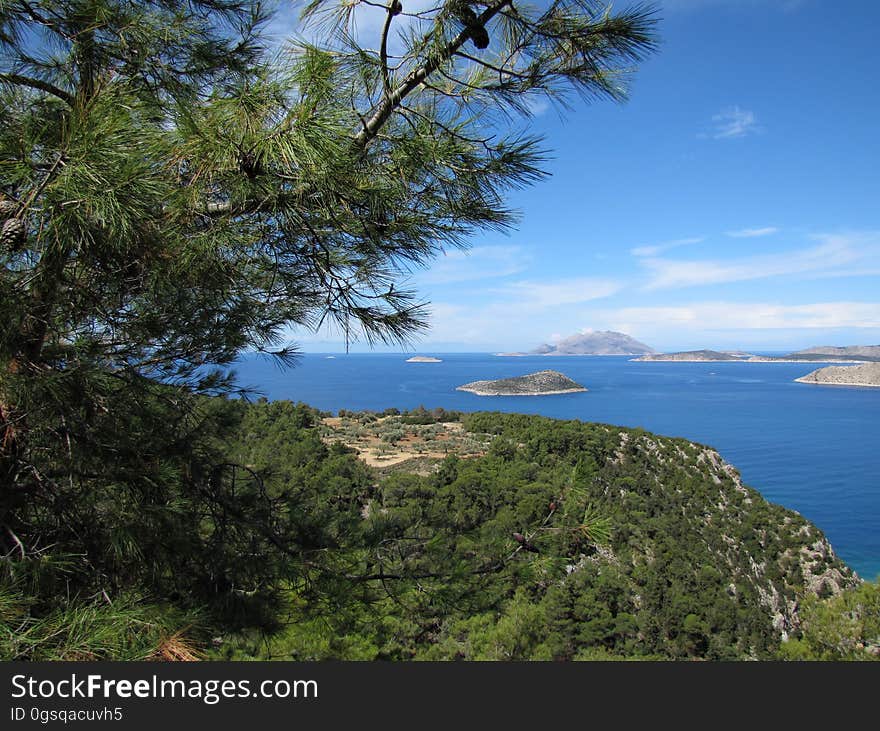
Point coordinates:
[(813, 449)]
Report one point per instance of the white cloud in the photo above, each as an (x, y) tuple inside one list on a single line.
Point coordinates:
[(518, 315), (655, 249), (828, 259), (734, 122), (710, 316), (541, 295), (482, 262), (751, 233)]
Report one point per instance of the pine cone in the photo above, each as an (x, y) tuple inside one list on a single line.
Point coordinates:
[(479, 35), (13, 234), (7, 209), (251, 164)]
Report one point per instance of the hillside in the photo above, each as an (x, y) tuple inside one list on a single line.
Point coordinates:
[(867, 374), (548, 540), (542, 383), (600, 342)]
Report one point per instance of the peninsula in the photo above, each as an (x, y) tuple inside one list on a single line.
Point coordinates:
[(423, 359), (866, 374), (542, 383)]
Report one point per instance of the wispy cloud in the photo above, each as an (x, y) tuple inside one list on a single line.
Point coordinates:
[(537, 105), (517, 315), (655, 249), (751, 233), (482, 262), (734, 122), (827, 259), (542, 295)]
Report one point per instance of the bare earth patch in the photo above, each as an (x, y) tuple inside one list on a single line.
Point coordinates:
[(383, 442)]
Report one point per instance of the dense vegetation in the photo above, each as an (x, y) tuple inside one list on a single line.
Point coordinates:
[(564, 541)]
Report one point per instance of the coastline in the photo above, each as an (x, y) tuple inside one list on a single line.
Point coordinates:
[(795, 360), (813, 382), (527, 393), (743, 360)]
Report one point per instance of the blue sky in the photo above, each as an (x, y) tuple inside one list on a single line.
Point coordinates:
[(731, 202)]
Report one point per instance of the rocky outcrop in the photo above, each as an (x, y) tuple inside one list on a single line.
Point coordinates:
[(778, 563), (542, 383)]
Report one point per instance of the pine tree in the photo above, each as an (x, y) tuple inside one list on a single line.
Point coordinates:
[(176, 192)]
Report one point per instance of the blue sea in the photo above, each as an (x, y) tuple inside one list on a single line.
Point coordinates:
[(813, 449)]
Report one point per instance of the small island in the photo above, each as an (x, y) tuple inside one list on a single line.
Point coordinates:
[(423, 359), (542, 383), (867, 374), (694, 356)]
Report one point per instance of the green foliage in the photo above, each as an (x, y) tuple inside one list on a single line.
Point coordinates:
[(178, 195), (184, 197), (78, 629), (841, 627), (633, 546)]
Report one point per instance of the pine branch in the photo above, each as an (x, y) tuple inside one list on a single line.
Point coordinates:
[(38, 84), (392, 10), (391, 102)]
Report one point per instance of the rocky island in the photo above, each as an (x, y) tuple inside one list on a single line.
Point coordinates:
[(695, 356), (542, 383), (866, 374), (423, 359)]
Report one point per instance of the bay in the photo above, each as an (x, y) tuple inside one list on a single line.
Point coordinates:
[(813, 449)]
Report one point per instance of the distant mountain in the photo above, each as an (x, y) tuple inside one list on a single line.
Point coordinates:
[(599, 342)]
